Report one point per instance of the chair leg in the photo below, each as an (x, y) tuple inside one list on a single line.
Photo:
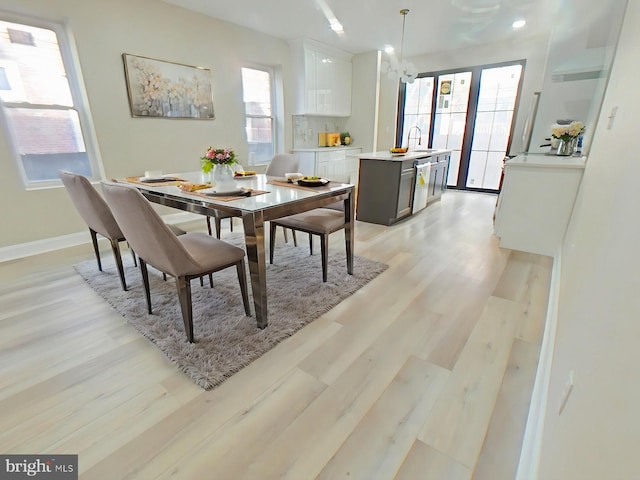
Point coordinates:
[(94, 240), (286, 237), (164, 276), (115, 246), (231, 224), (242, 279), (218, 227), (272, 240), (310, 244), (201, 282), (209, 225), (293, 234), (324, 250), (184, 295), (133, 254), (145, 281), (211, 280)]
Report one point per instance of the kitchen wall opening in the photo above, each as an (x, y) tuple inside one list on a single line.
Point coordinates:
[(469, 111)]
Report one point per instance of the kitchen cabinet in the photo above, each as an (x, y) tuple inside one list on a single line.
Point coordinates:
[(405, 191), (536, 201), (438, 176), (324, 77), (385, 190), (334, 163)]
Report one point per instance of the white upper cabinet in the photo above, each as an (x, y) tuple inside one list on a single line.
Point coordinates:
[(323, 79)]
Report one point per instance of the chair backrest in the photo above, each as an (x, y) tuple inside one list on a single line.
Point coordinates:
[(336, 206), (146, 232), (91, 206), (282, 163)]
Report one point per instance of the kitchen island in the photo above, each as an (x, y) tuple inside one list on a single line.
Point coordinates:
[(390, 186)]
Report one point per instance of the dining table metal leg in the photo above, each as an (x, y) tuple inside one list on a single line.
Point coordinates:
[(254, 241), (349, 230)]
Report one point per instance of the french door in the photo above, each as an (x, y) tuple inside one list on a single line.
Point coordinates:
[(468, 111)]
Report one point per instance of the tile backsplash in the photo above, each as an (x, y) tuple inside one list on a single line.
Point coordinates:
[(306, 129)]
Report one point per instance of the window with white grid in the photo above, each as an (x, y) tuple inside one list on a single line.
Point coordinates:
[(42, 105)]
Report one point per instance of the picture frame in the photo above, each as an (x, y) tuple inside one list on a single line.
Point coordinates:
[(161, 89)]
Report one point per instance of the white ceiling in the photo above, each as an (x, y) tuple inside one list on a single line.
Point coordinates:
[(431, 25)]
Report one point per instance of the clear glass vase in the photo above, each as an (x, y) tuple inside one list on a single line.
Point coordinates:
[(222, 177), (567, 147)]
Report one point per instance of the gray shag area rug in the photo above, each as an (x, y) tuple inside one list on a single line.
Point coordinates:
[(226, 340)]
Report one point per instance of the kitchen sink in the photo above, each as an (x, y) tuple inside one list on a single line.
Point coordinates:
[(424, 150)]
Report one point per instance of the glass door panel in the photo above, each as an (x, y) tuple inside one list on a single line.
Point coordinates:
[(417, 112), (450, 119), (496, 102)]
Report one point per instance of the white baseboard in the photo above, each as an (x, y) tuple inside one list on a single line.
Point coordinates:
[(529, 463), (13, 252)]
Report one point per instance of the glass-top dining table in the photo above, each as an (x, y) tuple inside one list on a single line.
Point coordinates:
[(281, 199)]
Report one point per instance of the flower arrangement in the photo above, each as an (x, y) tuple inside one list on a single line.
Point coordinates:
[(566, 133), (217, 156)]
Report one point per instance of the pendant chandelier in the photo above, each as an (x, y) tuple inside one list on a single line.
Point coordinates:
[(399, 68)]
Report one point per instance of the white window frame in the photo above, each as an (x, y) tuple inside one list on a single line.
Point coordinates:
[(274, 108), (79, 97)]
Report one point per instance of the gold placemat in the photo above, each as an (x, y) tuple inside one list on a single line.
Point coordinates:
[(173, 182), (285, 183), (224, 198)]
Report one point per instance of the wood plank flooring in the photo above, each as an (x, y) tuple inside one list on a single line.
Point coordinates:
[(425, 373)]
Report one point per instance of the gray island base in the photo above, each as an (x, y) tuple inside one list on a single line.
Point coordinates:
[(388, 185)]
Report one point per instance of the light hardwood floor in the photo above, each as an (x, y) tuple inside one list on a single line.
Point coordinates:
[(425, 373)]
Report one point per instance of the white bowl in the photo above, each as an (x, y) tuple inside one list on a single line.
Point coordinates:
[(293, 177)]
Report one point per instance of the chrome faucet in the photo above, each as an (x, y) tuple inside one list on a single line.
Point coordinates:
[(419, 135)]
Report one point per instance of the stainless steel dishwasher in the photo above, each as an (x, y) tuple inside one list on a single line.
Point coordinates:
[(421, 187)]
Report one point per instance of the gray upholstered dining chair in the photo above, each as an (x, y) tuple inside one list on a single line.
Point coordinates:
[(217, 219), (96, 214), (280, 164), (319, 221), (186, 257)]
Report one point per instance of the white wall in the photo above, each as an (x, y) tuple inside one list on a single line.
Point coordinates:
[(103, 31), (598, 434)]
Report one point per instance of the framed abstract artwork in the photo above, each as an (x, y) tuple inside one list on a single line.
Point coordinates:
[(168, 90)]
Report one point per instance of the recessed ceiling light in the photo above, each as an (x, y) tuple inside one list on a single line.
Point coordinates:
[(518, 24), (389, 49), (336, 26)]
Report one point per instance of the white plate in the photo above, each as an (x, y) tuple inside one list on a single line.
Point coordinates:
[(398, 154), (167, 178), (242, 177), (219, 193)]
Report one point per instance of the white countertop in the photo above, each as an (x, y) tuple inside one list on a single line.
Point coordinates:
[(410, 155), (324, 149), (544, 160)]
